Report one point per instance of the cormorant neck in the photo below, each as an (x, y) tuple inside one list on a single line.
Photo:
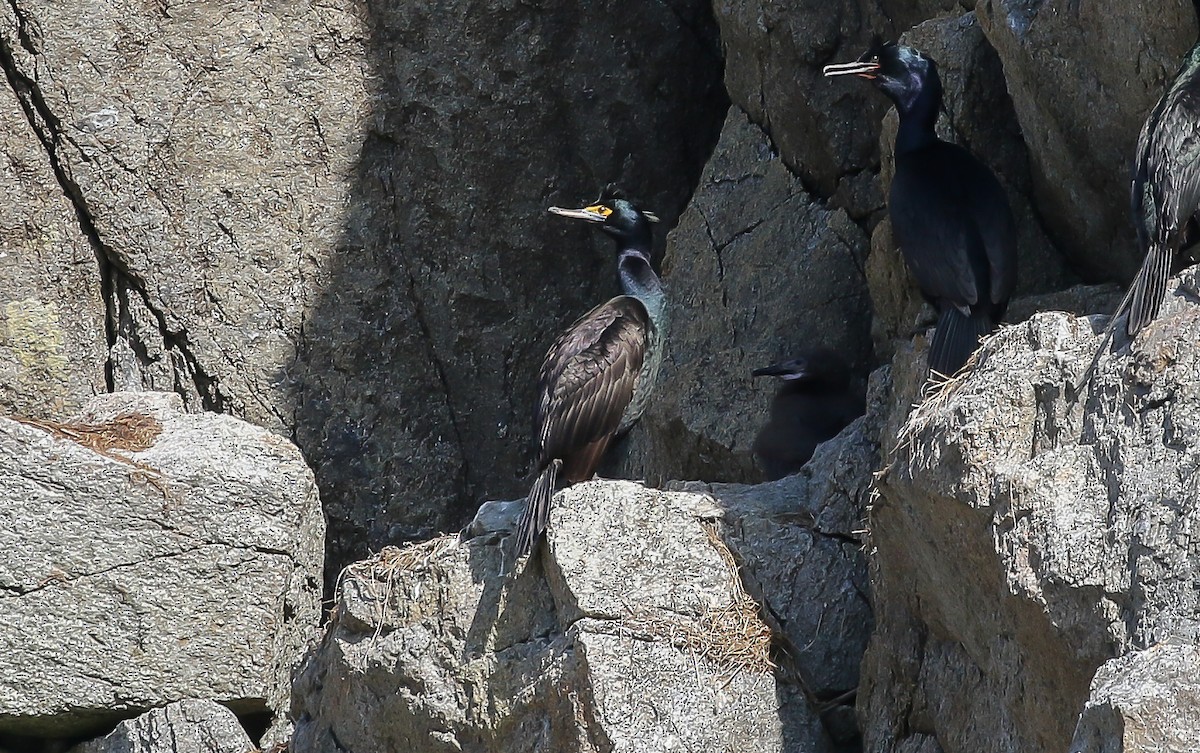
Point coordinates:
[(637, 276), (918, 116)]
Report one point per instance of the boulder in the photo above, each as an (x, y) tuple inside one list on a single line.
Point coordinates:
[(188, 726), (1024, 537), (629, 630), (1081, 105), (756, 271), (152, 555), (1143, 701)]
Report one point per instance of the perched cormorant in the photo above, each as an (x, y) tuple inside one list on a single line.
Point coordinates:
[(949, 214), (818, 397), (1165, 192), (598, 374)]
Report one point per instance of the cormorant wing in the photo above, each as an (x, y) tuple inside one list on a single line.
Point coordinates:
[(933, 225), (1168, 167), (590, 375)]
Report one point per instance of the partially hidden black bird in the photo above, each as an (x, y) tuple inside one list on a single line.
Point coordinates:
[(598, 375), (1165, 192), (818, 398), (949, 213)]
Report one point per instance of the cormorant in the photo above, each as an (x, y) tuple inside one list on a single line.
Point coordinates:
[(1165, 193), (597, 376), (818, 398), (949, 214)]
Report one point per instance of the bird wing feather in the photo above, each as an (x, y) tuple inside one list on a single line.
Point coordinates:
[(927, 212), (589, 377)]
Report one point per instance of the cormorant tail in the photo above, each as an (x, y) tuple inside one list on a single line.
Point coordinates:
[(537, 509), (1149, 287), (956, 338)]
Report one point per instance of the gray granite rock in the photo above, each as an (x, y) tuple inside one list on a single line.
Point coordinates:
[(629, 630), (1143, 702), (189, 726), (151, 555), (1024, 538)]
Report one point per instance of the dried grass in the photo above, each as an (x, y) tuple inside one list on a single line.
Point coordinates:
[(132, 432), (379, 571), (734, 635)]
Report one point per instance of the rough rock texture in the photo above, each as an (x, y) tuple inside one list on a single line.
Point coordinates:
[(52, 337), (1022, 539), (630, 631), (152, 555), (977, 114), (1143, 701), (756, 270), (182, 727), (1081, 104), (329, 218)]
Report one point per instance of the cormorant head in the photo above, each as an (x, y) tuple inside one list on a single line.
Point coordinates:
[(900, 72), (820, 366), (616, 215)]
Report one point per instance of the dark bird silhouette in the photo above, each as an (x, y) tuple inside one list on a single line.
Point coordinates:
[(599, 373), (1165, 193), (949, 214), (818, 398)]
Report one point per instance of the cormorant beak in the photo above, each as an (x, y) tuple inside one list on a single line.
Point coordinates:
[(787, 370), (595, 213), (864, 68)]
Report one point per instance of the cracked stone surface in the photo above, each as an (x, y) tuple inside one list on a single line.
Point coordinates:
[(188, 726), (1024, 538), (329, 218), (1081, 105), (757, 271), (138, 575), (434, 648), (52, 326)]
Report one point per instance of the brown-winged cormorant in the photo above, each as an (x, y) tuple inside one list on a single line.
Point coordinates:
[(949, 214), (597, 376), (1165, 192), (818, 398)]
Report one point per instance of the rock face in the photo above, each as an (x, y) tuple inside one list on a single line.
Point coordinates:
[(756, 270), (1081, 105), (632, 631), (329, 219), (1024, 538), (152, 555), (181, 727)]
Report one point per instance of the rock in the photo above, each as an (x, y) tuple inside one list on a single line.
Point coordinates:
[(189, 726), (153, 555), (756, 271), (1081, 105), (1023, 538), (52, 340), (629, 630), (330, 219), (1143, 701), (979, 116)]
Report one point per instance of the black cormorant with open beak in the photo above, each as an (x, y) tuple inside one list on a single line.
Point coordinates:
[(598, 375), (817, 398), (949, 214)]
